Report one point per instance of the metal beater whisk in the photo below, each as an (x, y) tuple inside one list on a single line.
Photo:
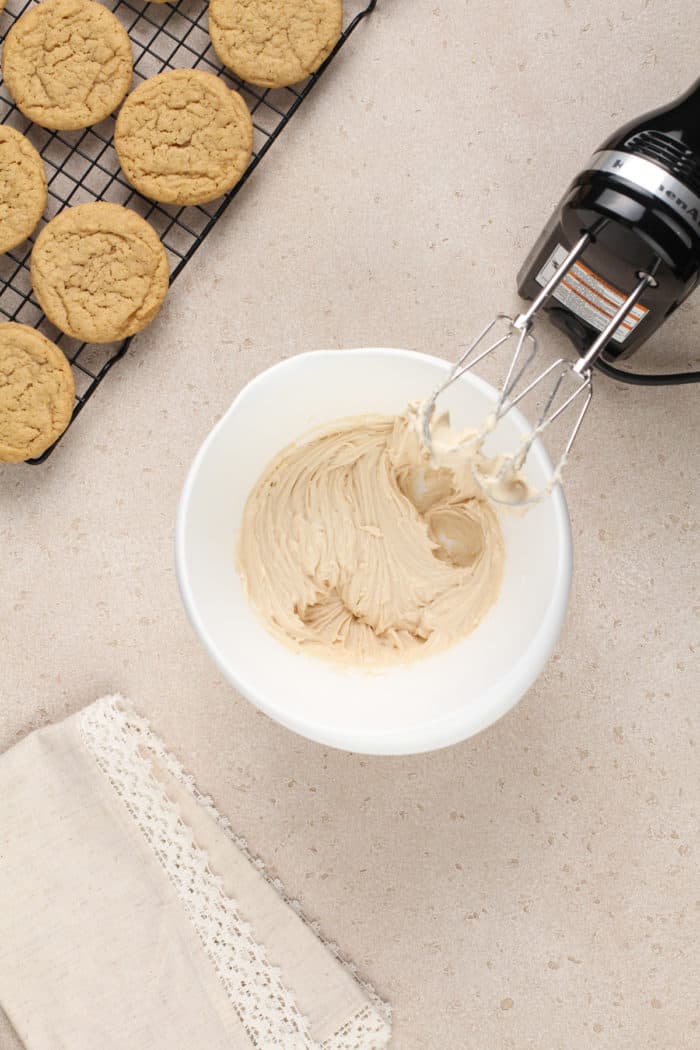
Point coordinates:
[(565, 385)]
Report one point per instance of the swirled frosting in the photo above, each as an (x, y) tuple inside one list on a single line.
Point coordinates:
[(356, 546)]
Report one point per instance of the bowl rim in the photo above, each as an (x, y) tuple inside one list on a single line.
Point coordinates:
[(427, 736)]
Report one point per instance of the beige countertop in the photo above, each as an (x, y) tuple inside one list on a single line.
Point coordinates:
[(536, 886)]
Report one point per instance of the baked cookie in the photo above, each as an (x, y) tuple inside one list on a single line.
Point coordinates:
[(99, 272), (183, 137), (274, 42), (22, 188), (67, 63), (37, 392)]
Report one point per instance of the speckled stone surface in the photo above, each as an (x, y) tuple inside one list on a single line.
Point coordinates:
[(537, 886)]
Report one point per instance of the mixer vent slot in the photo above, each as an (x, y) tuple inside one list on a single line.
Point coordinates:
[(670, 154)]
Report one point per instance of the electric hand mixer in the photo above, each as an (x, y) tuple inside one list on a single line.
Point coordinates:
[(620, 253)]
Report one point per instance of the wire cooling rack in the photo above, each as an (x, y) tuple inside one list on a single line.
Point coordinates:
[(82, 166)]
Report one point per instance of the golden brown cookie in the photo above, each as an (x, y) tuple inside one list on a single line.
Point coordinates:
[(99, 271), (37, 392), (22, 188), (183, 137), (67, 63), (274, 42)]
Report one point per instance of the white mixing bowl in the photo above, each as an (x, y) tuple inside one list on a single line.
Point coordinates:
[(417, 707)]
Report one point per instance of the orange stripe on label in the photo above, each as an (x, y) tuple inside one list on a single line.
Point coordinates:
[(596, 305), (636, 310), (600, 280)]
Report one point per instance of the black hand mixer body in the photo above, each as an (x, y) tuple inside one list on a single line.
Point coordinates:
[(620, 253), (639, 200)]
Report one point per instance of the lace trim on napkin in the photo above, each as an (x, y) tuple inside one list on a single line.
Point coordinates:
[(117, 738)]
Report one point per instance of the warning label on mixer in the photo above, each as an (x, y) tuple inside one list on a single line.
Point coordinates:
[(590, 297)]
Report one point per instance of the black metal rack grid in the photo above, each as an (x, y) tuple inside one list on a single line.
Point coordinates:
[(82, 166)]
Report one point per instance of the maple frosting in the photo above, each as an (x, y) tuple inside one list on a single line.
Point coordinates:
[(358, 547)]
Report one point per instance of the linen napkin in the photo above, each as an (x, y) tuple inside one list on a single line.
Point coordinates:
[(131, 917)]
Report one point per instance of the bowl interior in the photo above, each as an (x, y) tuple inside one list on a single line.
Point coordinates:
[(422, 705)]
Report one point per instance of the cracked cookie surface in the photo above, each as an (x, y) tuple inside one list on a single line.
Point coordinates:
[(183, 137), (37, 392), (22, 188), (274, 43), (67, 63), (99, 272)]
